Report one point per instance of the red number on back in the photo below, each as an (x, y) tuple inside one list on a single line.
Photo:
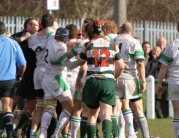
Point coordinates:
[(97, 53)]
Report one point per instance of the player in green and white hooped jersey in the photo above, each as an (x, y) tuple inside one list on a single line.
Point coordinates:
[(54, 82), (170, 64), (110, 34), (128, 85), (101, 57)]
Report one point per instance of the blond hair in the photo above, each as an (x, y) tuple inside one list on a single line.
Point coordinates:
[(111, 26)]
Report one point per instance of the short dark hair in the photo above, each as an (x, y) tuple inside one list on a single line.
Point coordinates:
[(88, 20), (2, 27), (72, 31), (145, 42), (27, 21), (47, 20)]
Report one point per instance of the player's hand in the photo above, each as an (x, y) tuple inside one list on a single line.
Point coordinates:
[(159, 92), (78, 85), (143, 87), (18, 79), (27, 35), (77, 48)]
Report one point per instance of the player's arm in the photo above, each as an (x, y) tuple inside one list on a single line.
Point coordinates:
[(20, 62), (81, 74), (71, 64), (75, 50), (20, 39), (119, 68), (141, 71), (119, 63)]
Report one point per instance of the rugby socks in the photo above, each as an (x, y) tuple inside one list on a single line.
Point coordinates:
[(176, 126), (75, 124), (114, 119), (142, 123), (83, 131), (33, 133), (121, 126), (45, 122), (63, 120), (25, 119), (8, 122), (128, 116), (106, 128), (91, 130)]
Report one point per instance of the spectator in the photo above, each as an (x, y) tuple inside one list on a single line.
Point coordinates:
[(152, 67), (146, 49), (162, 42), (11, 54)]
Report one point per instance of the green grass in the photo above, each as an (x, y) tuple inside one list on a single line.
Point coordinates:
[(157, 127)]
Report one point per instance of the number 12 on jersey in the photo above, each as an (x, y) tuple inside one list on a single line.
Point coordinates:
[(98, 58)]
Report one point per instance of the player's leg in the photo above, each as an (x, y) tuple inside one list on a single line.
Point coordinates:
[(38, 113), (84, 118), (6, 95), (67, 105), (173, 91), (50, 107), (76, 118), (29, 94), (127, 87), (137, 108), (115, 117)]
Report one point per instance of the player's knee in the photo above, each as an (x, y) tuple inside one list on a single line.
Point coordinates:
[(40, 102), (51, 105)]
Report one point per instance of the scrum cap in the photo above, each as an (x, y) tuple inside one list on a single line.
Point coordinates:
[(62, 34)]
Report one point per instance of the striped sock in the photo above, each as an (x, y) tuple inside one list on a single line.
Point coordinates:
[(45, 122), (121, 125), (114, 119), (33, 133), (128, 117), (75, 124), (176, 126), (142, 123), (63, 120)]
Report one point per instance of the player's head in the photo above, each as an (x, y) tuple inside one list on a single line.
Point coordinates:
[(72, 31), (2, 28), (85, 22), (111, 27), (47, 20), (98, 27), (127, 28), (62, 34), (31, 25), (55, 25), (89, 31)]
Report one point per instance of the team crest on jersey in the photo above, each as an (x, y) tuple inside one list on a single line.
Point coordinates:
[(39, 49)]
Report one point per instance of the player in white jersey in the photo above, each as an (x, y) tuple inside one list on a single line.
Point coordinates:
[(54, 82), (101, 56), (71, 74), (79, 117), (170, 64), (37, 42), (128, 84)]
